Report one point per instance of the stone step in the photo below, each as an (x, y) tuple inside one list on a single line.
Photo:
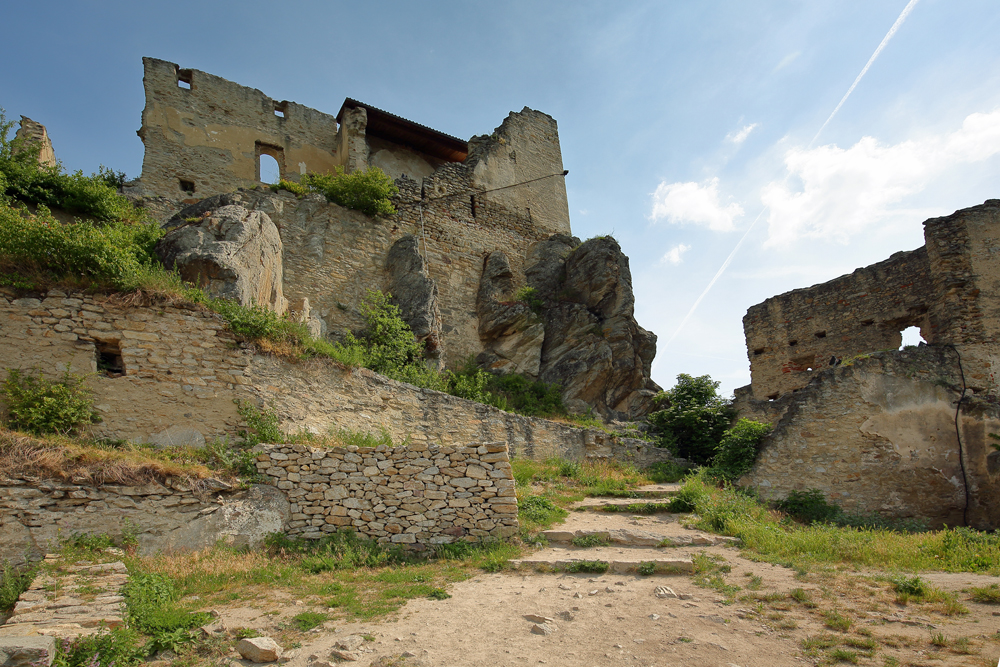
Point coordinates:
[(663, 566), (641, 538)]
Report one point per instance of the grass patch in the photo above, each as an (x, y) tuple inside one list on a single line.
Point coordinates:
[(308, 620), (767, 537), (13, 582), (593, 540), (639, 508), (593, 566), (836, 621), (985, 594)]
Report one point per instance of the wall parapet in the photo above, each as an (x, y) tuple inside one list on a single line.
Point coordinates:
[(414, 495)]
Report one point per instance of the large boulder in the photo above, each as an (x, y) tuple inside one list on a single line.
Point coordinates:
[(228, 250), (594, 349), (415, 293)]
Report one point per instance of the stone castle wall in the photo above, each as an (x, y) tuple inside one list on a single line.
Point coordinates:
[(169, 514), (876, 430), (183, 373), (413, 495), (212, 132), (879, 436), (793, 336)]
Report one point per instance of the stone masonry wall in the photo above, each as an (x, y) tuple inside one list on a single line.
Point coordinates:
[(879, 435), (793, 336), (184, 372), (172, 513), (212, 133), (414, 496)]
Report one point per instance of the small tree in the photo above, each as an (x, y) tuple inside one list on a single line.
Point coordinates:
[(738, 449), (41, 406), (694, 419)]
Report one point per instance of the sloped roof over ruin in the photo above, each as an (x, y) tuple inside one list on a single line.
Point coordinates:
[(395, 128)]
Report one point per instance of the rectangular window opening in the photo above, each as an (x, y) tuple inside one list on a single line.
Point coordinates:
[(184, 79), (280, 109), (820, 334), (109, 359), (472, 203), (187, 186)]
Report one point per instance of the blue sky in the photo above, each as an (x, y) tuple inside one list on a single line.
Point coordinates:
[(680, 121)]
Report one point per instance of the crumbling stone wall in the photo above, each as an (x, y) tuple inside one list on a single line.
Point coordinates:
[(183, 373), (879, 436), (35, 135), (203, 134), (173, 513), (877, 432), (793, 336), (413, 495)]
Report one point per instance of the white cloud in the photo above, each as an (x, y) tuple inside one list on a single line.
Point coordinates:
[(844, 191), (674, 255), (786, 61), (694, 203), (741, 136)]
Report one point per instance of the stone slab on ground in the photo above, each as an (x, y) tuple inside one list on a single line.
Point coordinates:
[(71, 601), (641, 538), (25, 651)]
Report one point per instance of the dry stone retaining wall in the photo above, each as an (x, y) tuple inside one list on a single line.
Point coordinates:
[(410, 495), (173, 514)]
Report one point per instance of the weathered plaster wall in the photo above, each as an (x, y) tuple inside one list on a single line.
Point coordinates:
[(879, 436), (413, 496), (212, 134), (174, 513), (793, 336), (183, 372)]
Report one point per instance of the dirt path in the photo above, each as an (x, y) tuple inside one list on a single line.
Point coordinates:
[(618, 619)]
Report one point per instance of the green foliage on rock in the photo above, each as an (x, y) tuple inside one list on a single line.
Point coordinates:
[(23, 179), (369, 191), (118, 254), (695, 418), (41, 406)]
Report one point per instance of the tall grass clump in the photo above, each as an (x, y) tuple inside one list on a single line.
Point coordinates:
[(764, 533)]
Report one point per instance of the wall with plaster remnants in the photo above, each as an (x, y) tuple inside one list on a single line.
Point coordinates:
[(900, 432)]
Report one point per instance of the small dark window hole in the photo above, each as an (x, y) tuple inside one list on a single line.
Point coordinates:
[(793, 343), (187, 186), (109, 359), (759, 350), (867, 323), (772, 397), (184, 79), (820, 334), (472, 204)]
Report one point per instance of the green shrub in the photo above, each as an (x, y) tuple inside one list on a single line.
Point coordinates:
[(117, 253), (369, 191), (291, 186), (529, 295), (809, 506), (539, 510), (41, 406), (23, 179), (262, 425), (914, 586), (985, 594), (308, 620), (694, 419), (738, 449), (528, 397)]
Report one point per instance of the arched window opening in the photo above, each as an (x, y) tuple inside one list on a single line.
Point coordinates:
[(268, 169)]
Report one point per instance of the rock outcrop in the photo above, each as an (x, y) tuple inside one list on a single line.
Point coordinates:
[(415, 293), (228, 250), (585, 339), (511, 331), (593, 347)]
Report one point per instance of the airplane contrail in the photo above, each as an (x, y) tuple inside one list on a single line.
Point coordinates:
[(718, 273), (885, 40)]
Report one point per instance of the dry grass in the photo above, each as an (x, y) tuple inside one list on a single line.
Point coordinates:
[(65, 459)]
